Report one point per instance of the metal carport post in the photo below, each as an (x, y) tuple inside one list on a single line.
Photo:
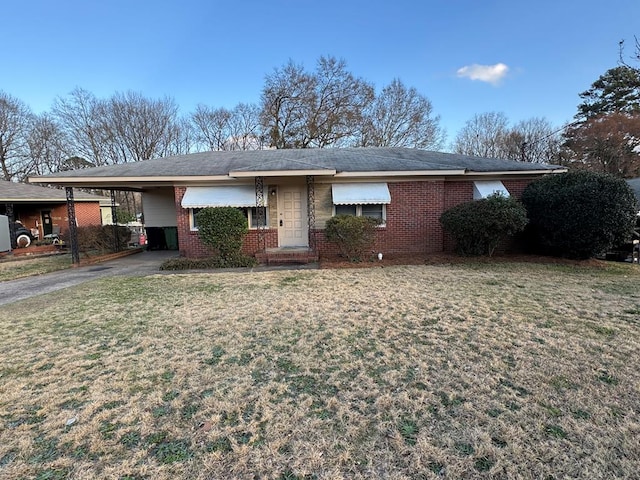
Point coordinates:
[(73, 227)]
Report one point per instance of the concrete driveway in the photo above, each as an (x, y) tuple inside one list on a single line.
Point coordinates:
[(139, 264)]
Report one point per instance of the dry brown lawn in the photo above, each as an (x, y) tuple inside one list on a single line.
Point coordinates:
[(435, 371), (14, 268)]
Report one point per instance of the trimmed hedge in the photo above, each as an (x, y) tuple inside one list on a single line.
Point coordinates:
[(578, 214), (353, 235), (223, 229), (480, 225), (205, 263)]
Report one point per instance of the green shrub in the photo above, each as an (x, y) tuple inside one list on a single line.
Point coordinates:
[(578, 214), (223, 229), (206, 263), (479, 226), (353, 235)]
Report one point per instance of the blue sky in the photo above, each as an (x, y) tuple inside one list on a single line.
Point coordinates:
[(526, 59)]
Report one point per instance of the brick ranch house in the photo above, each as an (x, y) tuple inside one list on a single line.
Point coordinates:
[(44, 210), (288, 195)]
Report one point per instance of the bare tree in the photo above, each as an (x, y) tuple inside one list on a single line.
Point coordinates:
[(137, 127), (182, 138), (81, 117), (482, 136), (321, 109), (47, 145), (401, 117), (245, 131), (489, 135), (636, 52), (534, 140), (222, 129), (335, 110), (127, 127), (15, 124), (284, 97), (212, 126)]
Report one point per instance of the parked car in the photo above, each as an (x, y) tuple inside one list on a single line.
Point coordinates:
[(22, 235)]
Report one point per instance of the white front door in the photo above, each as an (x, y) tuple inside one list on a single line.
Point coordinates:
[(292, 217)]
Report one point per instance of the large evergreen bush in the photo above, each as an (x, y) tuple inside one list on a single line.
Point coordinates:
[(578, 214), (480, 225)]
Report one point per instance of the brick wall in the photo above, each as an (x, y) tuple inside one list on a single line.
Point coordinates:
[(412, 224), (516, 187), (87, 213), (460, 192), (412, 220), (190, 244)]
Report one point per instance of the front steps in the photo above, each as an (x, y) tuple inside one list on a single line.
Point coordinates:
[(287, 255)]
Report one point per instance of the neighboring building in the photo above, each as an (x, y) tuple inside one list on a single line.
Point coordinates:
[(634, 183), (297, 191), (44, 210)]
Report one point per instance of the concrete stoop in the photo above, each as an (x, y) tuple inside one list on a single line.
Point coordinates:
[(287, 256)]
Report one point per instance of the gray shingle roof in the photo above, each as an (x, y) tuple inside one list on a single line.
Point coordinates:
[(12, 192), (365, 160)]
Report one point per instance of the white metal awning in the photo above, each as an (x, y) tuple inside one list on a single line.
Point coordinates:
[(484, 188), (360, 193), (223, 196)]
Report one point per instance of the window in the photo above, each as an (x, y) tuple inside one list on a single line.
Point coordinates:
[(192, 218), (250, 214), (253, 216), (373, 211), (377, 211), (346, 210)]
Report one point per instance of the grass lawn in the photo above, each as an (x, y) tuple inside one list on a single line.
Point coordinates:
[(453, 371), (19, 267)]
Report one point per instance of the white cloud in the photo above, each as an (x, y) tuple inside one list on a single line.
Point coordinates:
[(485, 73)]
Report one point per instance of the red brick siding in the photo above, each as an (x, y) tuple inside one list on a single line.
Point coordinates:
[(190, 244), (412, 220), (87, 213), (516, 187), (460, 192)]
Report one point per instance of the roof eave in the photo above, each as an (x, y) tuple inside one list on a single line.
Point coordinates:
[(46, 200), (517, 172), (402, 173), (96, 181), (281, 173)]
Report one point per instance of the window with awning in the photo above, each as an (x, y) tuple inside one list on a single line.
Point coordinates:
[(220, 196), (361, 199), (485, 188), (360, 193)]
